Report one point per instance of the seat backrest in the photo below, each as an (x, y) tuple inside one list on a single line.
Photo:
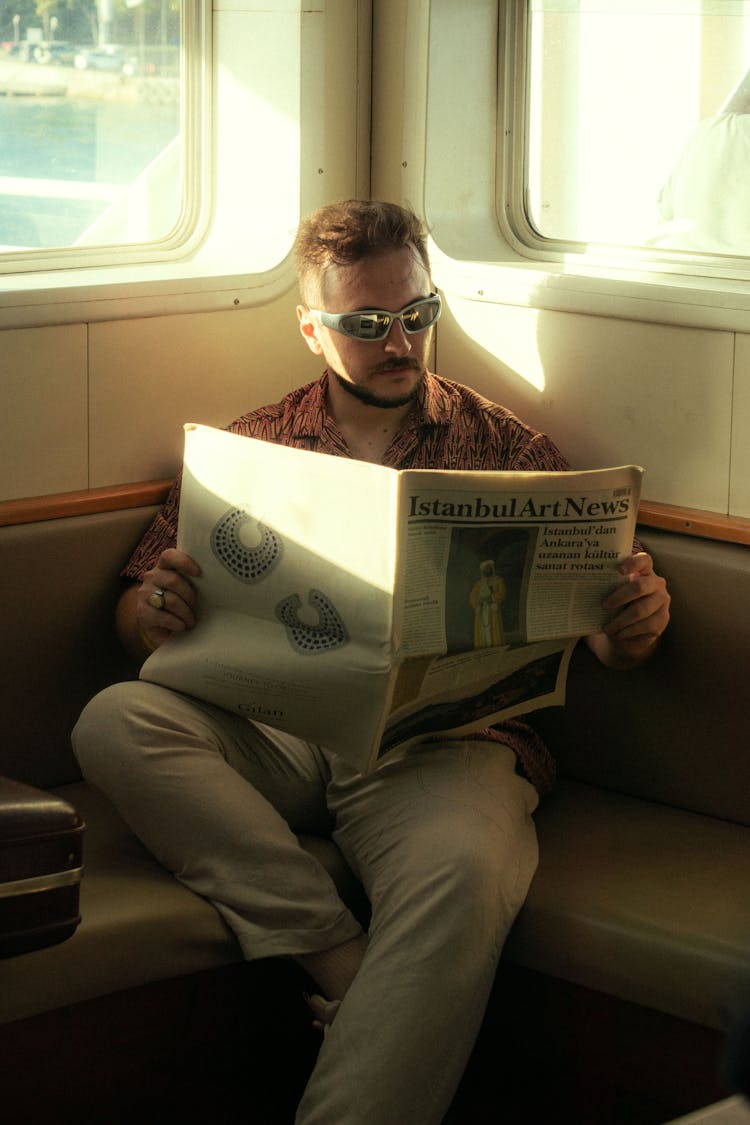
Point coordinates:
[(676, 730), (57, 596)]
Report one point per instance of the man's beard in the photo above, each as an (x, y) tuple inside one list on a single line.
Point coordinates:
[(370, 398)]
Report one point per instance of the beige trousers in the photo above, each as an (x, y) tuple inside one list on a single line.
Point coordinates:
[(442, 841)]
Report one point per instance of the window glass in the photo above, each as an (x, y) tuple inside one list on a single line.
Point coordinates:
[(638, 123), (90, 123)]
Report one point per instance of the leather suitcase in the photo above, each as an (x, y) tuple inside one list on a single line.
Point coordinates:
[(41, 843)]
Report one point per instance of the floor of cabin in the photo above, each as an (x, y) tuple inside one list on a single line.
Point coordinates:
[(565, 1056)]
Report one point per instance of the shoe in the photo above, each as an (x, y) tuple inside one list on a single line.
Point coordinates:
[(323, 1010)]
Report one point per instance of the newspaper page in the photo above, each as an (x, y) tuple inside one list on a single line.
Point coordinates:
[(500, 571), (365, 609), (297, 553)]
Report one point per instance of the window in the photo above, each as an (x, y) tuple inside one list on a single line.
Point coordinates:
[(261, 116), (98, 110), (636, 125)]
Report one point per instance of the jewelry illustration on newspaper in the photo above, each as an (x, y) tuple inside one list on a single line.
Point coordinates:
[(253, 564), (248, 564), (329, 633)]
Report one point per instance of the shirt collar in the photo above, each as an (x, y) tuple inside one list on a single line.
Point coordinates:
[(310, 417), (432, 407), (433, 403)]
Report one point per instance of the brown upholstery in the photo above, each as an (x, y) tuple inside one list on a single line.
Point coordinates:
[(139, 924), (643, 890), (647, 903), (678, 729), (59, 589)]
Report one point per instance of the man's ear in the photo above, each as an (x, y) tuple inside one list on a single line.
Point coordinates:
[(308, 326)]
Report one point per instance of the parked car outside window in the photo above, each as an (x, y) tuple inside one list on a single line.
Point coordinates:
[(110, 57)]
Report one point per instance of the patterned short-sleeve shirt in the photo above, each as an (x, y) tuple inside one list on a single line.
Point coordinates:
[(451, 427)]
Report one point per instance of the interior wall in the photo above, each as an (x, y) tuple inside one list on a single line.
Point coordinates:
[(608, 391), (88, 405), (102, 401), (739, 497), (44, 415), (612, 378), (91, 405), (149, 377)]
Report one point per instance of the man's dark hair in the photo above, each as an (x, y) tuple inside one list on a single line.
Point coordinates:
[(343, 233)]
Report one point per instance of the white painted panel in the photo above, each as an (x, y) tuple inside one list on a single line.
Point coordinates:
[(257, 6), (150, 376), (399, 99), (739, 494), (256, 134), (43, 416), (607, 391)]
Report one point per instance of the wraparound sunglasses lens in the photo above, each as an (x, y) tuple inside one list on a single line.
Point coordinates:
[(375, 324)]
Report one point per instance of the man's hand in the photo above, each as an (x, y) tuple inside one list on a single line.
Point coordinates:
[(639, 614), (163, 604)]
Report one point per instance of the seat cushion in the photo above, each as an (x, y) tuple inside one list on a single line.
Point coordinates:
[(632, 898), (139, 924), (641, 901)]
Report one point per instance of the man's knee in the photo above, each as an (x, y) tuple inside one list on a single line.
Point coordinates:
[(98, 734), (464, 879), (490, 869)]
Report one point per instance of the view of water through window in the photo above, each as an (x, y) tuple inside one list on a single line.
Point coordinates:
[(88, 134)]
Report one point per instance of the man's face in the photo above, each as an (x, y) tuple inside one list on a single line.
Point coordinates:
[(385, 373)]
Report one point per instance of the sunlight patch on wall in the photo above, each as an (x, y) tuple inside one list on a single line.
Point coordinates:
[(257, 137), (508, 334)]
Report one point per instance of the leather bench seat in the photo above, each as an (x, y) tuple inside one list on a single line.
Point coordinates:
[(631, 899), (139, 924), (641, 900)]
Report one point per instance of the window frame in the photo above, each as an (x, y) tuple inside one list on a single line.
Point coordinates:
[(219, 268), (462, 167), (512, 179), (194, 139)]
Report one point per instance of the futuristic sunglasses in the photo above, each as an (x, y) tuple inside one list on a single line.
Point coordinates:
[(375, 324)]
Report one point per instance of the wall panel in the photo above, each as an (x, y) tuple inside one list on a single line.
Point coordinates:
[(740, 478), (43, 413), (148, 377), (608, 391)]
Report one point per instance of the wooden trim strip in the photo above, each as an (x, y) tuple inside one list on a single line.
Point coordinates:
[(688, 521), (694, 521), (86, 502)]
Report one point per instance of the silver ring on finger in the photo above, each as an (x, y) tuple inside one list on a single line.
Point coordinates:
[(158, 598)]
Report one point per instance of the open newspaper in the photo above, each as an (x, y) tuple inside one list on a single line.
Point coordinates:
[(365, 609)]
